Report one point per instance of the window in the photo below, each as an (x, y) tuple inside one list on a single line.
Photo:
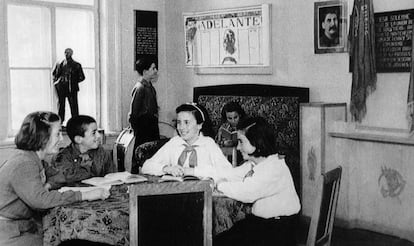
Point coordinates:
[(38, 32), (29, 57), (84, 2)]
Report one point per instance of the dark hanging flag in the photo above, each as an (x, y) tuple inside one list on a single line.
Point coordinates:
[(410, 98), (362, 56)]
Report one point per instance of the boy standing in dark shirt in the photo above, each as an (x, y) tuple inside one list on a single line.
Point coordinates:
[(143, 115)]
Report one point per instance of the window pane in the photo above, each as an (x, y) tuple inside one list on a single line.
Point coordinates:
[(30, 91), (79, 22), (28, 36), (87, 94), (83, 2), (30, 46)]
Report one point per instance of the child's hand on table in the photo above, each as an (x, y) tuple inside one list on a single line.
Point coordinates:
[(176, 171)]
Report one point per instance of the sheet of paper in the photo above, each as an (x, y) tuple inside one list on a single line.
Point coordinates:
[(81, 189), (101, 181), (118, 175), (134, 178), (168, 177)]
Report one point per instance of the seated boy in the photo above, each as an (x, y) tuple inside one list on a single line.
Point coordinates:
[(84, 157)]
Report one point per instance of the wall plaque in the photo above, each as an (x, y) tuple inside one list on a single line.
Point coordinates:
[(393, 40), (146, 35)]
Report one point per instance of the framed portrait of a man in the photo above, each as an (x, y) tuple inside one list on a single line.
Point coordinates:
[(330, 27)]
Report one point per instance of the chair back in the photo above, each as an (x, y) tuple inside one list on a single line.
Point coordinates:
[(123, 150), (231, 154), (171, 213), (145, 151), (320, 230)]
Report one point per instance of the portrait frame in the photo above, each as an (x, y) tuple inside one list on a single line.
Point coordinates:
[(330, 42)]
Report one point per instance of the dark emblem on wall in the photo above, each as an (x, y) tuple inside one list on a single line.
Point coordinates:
[(391, 182)]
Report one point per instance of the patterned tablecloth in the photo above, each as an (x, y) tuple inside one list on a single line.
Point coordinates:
[(108, 221)]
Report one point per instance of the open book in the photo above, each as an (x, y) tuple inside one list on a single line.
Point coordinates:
[(168, 177), (115, 179), (229, 138)]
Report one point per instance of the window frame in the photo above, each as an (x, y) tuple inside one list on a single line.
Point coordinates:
[(9, 132)]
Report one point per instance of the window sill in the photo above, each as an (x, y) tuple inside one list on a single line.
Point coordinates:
[(7, 143), (373, 138), (371, 134)]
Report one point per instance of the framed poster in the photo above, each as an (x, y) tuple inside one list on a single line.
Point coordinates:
[(146, 35), (330, 27), (228, 38)]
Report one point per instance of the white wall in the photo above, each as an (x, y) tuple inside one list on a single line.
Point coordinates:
[(5, 142), (128, 75), (3, 78), (376, 190), (387, 105), (294, 61)]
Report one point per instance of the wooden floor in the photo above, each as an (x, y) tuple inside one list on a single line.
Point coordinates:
[(354, 237), (357, 237), (341, 237)]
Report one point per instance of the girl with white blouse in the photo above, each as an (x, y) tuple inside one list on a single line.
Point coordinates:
[(193, 151), (265, 181)]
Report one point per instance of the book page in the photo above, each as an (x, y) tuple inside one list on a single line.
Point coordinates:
[(229, 138), (168, 177), (117, 175), (190, 177), (126, 177), (115, 179), (102, 181), (135, 178)]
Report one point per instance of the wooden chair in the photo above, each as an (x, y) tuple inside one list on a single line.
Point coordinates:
[(231, 154), (321, 225), (145, 151), (123, 150), (171, 213)]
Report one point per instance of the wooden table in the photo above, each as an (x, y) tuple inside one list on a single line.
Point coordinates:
[(108, 221)]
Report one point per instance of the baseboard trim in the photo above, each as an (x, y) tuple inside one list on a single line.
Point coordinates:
[(356, 224)]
